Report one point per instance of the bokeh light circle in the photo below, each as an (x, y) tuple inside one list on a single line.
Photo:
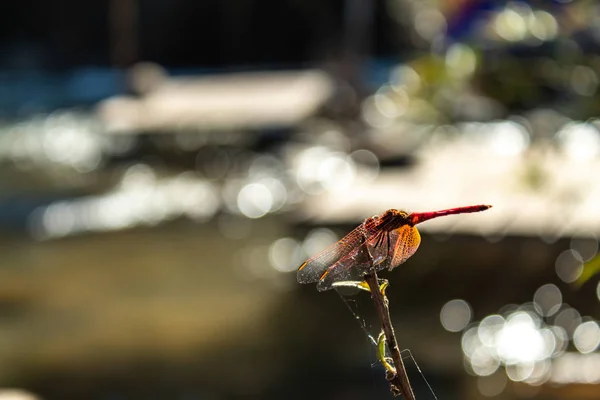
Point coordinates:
[(493, 385), (455, 315), (569, 266), (285, 254), (568, 319), (586, 246), (586, 337), (489, 328), (255, 200), (548, 299)]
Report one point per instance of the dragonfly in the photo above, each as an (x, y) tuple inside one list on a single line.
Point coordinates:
[(381, 242)]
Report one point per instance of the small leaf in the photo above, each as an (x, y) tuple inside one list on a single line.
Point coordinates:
[(590, 269)]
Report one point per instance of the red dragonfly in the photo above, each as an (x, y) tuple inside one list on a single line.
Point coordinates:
[(382, 241)]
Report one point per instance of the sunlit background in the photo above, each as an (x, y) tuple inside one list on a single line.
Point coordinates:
[(165, 167)]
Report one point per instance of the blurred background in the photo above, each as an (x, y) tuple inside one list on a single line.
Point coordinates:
[(165, 166)]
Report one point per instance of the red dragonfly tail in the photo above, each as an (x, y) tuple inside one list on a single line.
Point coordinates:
[(417, 218)]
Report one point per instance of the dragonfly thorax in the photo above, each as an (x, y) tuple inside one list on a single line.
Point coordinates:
[(393, 219)]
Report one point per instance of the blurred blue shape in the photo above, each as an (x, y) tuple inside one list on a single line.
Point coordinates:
[(466, 17), (94, 84), (29, 92)]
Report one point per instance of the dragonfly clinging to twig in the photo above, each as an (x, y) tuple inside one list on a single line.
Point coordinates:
[(380, 242)]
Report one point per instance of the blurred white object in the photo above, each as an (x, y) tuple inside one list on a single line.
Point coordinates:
[(17, 394), (487, 163), (249, 100)]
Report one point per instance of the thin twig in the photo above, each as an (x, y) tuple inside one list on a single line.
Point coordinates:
[(399, 381)]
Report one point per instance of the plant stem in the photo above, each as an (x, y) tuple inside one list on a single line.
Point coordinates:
[(398, 381)]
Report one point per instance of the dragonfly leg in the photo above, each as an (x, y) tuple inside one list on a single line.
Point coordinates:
[(383, 284), (387, 237), (385, 361), (353, 284)]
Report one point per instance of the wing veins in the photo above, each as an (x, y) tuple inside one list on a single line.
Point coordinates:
[(313, 268), (317, 267)]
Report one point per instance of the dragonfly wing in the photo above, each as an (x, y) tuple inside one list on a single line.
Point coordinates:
[(406, 241), (350, 268), (370, 245), (316, 267), (376, 252), (380, 247)]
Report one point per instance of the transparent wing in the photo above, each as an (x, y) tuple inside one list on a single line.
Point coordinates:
[(381, 248), (315, 267), (348, 269), (349, 259)]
